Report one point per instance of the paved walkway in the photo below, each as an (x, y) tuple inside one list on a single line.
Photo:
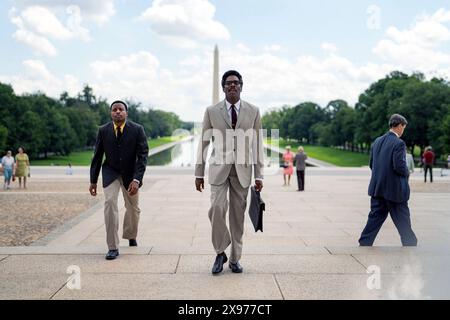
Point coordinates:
[(308, 249)]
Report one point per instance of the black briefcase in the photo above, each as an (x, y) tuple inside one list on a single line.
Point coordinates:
[(257, 206)]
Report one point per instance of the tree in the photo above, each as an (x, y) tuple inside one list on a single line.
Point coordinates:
[(87, 96), (303, 117), (446, 137), (342, 124), (3, 136), (43, 125)]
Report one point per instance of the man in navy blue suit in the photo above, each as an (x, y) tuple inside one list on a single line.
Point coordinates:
[(388, 186)]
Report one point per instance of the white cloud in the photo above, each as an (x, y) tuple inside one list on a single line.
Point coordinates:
[(184, 22), (37, 77), (38, 43), (140, 77), (74, 21), (273, 48), (306, 78), (420, 46), (329, 47), (271, 78), (243, 48), (99, 11), (42, 21), (39, 23), (187, 90)]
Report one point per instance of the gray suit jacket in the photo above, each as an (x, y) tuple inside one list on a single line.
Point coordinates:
[(242, 147), (300, 161)]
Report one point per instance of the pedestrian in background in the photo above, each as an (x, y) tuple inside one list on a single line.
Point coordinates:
[(388, 188), (22, 167), (288, 160), (8, 169), (69, 170), (300, 165), (428, 161)]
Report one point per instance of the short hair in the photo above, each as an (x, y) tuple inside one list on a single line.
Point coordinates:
[(231, 73), (397, 119), (119, 101), (300, 148)]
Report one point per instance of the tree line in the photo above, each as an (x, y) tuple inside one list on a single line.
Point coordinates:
[(425, 104), (47, 126)]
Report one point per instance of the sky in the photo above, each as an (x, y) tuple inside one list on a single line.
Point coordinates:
[(160, 52)]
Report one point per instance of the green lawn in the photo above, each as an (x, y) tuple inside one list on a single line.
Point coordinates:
[(83, 158), (337, 157)]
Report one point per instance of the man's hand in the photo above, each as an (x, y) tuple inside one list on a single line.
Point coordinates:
[(199, 184), (258, 185), (93, 189), (133, 188)]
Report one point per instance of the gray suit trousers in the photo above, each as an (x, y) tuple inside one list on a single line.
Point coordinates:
[(221, 236)]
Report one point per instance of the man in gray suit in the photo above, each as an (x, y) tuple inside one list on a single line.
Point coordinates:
[(300, 164), (234, 126)]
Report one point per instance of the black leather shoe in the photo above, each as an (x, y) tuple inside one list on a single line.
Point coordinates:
[(112, 254), (236, 267), (218, 264), (132, 242)]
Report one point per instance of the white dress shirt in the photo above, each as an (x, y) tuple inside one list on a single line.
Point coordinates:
[(237, 107)]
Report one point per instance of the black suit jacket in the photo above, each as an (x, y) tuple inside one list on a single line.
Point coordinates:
[(126, 157), (389, 170)]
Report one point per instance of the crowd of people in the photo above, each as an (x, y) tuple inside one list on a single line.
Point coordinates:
[(15, 167)]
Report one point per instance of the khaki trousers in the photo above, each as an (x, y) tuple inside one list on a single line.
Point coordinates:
[(131, 219), (221, 237)]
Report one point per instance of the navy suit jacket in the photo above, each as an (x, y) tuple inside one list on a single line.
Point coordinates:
[(389, 170), (126, 158)]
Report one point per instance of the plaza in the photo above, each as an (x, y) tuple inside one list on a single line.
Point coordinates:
[(308, 250)]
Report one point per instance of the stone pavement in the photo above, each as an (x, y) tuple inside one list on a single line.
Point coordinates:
[(308, 249)]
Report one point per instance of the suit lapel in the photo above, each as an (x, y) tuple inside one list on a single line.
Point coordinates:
[(242, 114), (224, 113)]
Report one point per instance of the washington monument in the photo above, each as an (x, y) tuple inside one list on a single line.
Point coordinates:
[(215, 95)]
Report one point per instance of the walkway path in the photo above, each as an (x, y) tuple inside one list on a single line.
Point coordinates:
[(308, 249)]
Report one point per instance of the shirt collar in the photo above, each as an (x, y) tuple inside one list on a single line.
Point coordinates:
[(237, 105), (395, 133), (121, 127)]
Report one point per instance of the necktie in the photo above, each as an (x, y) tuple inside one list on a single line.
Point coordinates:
[(119, 133), (233, 116)]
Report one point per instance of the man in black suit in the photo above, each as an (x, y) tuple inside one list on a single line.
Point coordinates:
[(125, 147), (388, 186)]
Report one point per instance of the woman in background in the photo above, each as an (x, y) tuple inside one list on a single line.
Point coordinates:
[(8, 169), (288, 159), (22, 167)]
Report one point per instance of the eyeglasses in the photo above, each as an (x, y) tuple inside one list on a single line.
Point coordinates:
[(236, 83)]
